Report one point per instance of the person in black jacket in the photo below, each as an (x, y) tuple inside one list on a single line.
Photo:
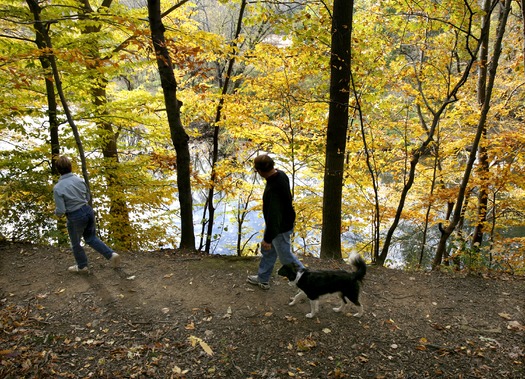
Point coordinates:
[(279, 218)]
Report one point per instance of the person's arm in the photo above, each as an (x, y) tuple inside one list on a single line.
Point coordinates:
[(88, 194), (60, 209), (273, 216)]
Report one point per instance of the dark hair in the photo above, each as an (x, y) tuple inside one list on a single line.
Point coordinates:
[(63, 165), (263, 163)]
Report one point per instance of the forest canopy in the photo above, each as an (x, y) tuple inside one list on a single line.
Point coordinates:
[(434, 152)]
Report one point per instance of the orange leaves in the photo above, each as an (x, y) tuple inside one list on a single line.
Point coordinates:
[(391, 324), (164, 161), (306, 344)]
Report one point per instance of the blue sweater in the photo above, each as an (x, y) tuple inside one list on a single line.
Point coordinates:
[(70, 194)]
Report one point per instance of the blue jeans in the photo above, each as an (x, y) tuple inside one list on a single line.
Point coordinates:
[(81, 223), (281, 247)]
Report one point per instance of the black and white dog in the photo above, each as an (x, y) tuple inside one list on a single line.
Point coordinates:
[(313, 284)]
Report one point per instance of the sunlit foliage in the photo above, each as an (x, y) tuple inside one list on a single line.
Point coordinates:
[(406, 58)]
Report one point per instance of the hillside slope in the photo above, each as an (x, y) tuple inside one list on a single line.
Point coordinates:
[(170, 315)]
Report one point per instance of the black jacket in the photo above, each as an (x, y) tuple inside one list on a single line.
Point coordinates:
[(279, 215)]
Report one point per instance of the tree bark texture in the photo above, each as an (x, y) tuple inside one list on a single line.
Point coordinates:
[(119, 223), (337, 128), (483, 168), (179, 136), (41, 36)]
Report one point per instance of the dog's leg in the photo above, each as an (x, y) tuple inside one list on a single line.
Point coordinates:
[(300, 295), (340, 308), (314, 308), (360, 312), (355, 299)]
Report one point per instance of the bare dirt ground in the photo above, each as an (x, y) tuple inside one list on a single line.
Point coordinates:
[(171, 315)]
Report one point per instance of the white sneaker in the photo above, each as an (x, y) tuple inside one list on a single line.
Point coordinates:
[(76, 269), (254, 279), (115, 260)]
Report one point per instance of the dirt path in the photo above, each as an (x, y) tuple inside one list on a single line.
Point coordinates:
[(165, 315)]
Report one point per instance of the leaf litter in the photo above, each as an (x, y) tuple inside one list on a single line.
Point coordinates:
[(202, 320)]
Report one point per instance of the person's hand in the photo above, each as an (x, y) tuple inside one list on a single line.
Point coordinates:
[(265, 245)]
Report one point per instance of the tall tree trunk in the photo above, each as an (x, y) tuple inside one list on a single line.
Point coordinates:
[(483, 167), (218, 116), (119, 223), (376, 220), (337, 128), (179, 136), (523, 29), (42, 36), (446, 232), (429, 205), (41, 28)]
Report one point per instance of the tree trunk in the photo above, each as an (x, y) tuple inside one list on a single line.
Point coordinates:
[(119, 228), (179, 136), (502, 23), (376, 220), (41, 28), (337, 128), (429, 205), (218, 116), (522, 2), (483, 168), (41, 37)]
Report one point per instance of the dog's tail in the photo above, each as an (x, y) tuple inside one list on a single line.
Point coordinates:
[(359, 263)]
